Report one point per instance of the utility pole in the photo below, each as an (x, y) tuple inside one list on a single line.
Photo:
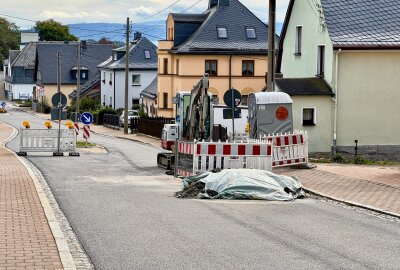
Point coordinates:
[(127, 47), (59, 103), (78, 81), (271, 46)]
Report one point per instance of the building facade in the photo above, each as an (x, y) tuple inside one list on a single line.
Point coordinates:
[(359, 63), (142, 72), (232, 52)]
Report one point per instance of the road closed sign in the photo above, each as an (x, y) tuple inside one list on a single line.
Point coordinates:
[(282, 113)]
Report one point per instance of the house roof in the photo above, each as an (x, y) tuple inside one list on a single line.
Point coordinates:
[(12, 55), (151, 91), (27, 57), (137, 58), (89, 85), (305, 87), (363, 23), (205, 38), (47, 63), (188, 18)]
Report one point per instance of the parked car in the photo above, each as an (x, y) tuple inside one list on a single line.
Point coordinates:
[(131, 114)]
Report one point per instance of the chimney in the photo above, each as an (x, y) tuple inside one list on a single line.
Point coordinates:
[(137, 35), (219, 3), (223, 3)]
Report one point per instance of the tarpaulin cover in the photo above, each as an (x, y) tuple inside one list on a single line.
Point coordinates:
[(248, 184)]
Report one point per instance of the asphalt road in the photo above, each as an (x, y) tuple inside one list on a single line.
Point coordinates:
[(122, 209)]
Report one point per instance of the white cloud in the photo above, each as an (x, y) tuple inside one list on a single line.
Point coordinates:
[(56, 14)]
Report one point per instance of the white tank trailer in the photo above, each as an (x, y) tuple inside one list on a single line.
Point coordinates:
[(270, 113)]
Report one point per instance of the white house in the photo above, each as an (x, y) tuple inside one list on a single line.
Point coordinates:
[(142, 72), (353, 47)]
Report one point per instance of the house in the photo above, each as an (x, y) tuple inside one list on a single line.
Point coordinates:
[(227, 41), (92, 56), (91, 89), (29, 35), (142, 71), (7, 68), (353, 47), (20, 81), (149, 98)]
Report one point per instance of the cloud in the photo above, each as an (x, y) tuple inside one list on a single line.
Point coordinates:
[(56, 14), (141, 12)]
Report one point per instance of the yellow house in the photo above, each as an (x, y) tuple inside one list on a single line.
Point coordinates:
[(232, 52)]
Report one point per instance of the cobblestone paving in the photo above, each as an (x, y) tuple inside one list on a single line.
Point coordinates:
[(26, 241)]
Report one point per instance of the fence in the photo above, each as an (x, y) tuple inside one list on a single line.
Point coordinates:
[(153, 126), (111, 121), (195, 157), (289, 149), (46, 140)]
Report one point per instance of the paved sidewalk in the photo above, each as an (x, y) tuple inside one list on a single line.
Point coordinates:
[(26, 241)]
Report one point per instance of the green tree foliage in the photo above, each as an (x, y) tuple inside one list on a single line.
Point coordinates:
[(9, 39), (51, 30)]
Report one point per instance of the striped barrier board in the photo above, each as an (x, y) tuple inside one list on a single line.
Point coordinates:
[(76, 127), (86, 132)]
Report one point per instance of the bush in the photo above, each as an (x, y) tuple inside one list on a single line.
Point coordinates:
[(142, 112), (338, 159), (359, 160), (119, 111), (135, 107), (87, 104), (100, 115)]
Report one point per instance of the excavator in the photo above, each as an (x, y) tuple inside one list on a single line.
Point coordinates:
[(193, 120)]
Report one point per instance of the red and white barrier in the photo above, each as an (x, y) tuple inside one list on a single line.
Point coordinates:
[(76, 127), (86, 132), (289, 149), (206, 156)]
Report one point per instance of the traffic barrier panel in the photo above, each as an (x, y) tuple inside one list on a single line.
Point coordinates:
[(289, 149), (195, 157)]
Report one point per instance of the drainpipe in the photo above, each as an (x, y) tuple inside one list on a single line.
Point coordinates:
[(335, 99), (115, 97)]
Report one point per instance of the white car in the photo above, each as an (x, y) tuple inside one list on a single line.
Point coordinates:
[(131, 114)]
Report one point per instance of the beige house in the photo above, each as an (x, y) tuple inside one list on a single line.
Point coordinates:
[(232, 52), (359, 59)]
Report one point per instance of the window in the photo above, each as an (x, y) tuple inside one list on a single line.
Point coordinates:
[(245, 100), (211, 67), (248, 68), (115, 56), (110, 101), (215, 99), (136, 79), (165, 101), (177, 66), (104, 100), (222, 32), (83, 75), (147, 54), (309, 117), (251, 33), (299, 32), (321, 61), (104, 77), (165, 65)]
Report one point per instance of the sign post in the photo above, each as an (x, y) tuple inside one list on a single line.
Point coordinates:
[(232, 99), (3, 105), (86, 119)]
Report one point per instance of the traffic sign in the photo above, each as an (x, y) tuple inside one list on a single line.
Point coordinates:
[(59, 98), (86, 132), (55, 114), (237, 98), (75, 117), (228, 113), (87, 118), (3, 105)]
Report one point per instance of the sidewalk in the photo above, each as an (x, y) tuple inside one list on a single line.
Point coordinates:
[(26, 240)]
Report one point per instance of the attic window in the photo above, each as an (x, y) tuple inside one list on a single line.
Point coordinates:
[(222, 32), (147, 54), (250, 33)]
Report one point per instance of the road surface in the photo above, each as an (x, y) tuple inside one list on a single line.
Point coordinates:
[(123, 211)]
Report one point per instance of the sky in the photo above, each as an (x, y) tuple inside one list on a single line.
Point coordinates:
[(116, 11)]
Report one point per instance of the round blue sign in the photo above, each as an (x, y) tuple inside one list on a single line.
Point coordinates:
[(87, 118), (3, 104)]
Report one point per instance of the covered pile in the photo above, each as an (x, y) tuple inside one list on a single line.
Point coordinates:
[(242, 184)]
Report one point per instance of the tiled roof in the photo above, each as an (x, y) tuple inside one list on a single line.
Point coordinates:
[(26, 57), (47, 63), (89, 85), (235, 17), (151, 91), (12, 55), (137, 58), (363, 23), (187, 18), (305, 87)]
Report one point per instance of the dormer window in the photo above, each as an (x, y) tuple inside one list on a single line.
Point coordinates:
[(147, 54), (250, 33), (115, 56), (222, 32)]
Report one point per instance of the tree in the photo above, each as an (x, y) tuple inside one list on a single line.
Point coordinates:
[(9, 39), (51, 30), (105, 40)]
